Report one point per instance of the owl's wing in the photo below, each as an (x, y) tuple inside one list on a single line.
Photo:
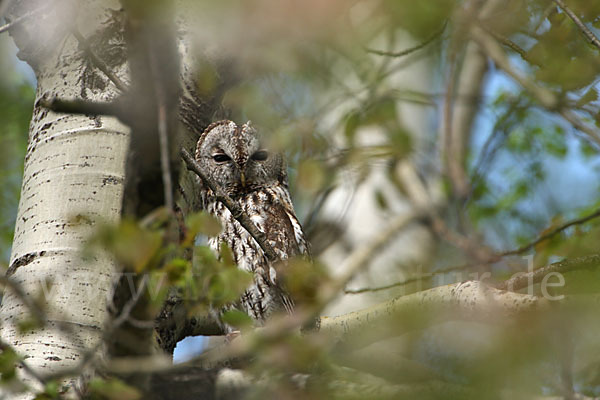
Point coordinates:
[(284, 227)]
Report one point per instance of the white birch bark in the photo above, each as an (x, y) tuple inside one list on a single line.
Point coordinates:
[(74, 167), (353, 203)]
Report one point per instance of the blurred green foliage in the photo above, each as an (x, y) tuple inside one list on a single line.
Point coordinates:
[(16, 105)]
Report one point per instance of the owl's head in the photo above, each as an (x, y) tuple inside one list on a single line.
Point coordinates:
[(235, 159)]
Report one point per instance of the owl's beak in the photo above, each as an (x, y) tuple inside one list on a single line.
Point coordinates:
[(243, 179)]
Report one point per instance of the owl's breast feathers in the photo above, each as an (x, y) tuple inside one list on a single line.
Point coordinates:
[(271, 210)]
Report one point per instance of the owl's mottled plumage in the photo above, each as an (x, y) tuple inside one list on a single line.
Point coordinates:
[(256, 179)]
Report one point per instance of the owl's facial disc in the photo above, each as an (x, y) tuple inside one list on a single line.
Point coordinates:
[(236, 158)]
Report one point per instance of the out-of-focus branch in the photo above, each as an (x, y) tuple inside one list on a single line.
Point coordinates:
[(471, 300), (358, 259), (36, 312), (544, 96), (519, 281), (22, 18), (5, 346), (464, 81), (522, 280), (480, 252), (420, 197), (593, 39), (414, 279), (166, 131), (101, 65), (551, 234), (492, 257), (410, 50), (507, 42), (493, 50), (114, 108)]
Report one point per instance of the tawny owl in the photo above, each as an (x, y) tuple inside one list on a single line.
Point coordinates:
[(256, 178)]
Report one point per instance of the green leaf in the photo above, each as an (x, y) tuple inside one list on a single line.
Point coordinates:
[(311, 176), (202, 223), (227, 286), (8, 360), (113, 389), (176, 268), (353, 121), (237, 319), (135, 248)]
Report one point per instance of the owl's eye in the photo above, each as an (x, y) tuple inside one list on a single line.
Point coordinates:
[(220, 157), (260, 155)]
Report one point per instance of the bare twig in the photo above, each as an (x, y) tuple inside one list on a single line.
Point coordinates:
[(489, 45), (492, 258), (22, 18), (233, 207), (90, 355), (361, 256), (506, 42), (37, 312), (593, 39), (387, 287), (480, 252), (552, 233), (523, 280), (517, 282), (464, 300), (405, 52), (4, 346), (98, 62), (165, 162), (544, 96), (163, 132), (408, 281)]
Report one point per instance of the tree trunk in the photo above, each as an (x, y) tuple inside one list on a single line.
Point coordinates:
[(73, 175)]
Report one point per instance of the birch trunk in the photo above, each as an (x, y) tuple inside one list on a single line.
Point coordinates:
[(72, 179)]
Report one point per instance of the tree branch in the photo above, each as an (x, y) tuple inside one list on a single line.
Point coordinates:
[(506, 42), (550, 234), (523, 280), (113, 108), (489, 45), (98, 62), (588, 33), (410, 50), (471, 299), (519, 281), (233, 207), (165, 132), (22, 18), (361, 256), (545, 97)]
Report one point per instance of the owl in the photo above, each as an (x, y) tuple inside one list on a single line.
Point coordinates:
[(233, 157)]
